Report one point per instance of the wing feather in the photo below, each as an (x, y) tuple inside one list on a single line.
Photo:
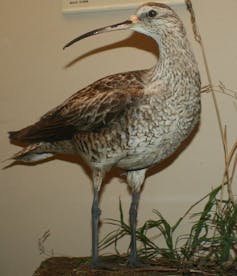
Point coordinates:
[(90, 109)]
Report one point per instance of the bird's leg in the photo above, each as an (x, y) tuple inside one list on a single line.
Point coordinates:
[(135, 181), (95, 215), (133, 223)]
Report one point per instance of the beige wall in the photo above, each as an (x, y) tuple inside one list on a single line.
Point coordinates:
[(56, 195)]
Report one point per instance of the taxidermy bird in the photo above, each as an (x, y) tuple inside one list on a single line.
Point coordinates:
[(131, 120)]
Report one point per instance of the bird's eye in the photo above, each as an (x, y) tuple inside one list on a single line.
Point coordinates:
[(152, 13)]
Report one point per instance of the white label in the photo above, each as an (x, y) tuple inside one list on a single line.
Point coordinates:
[(97, 5)]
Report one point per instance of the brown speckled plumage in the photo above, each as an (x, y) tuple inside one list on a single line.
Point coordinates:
[(131, 120)]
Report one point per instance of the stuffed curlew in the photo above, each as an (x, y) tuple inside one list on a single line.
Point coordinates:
[(131, 120)]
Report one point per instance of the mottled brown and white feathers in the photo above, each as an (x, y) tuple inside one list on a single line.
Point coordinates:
[(90, 109)]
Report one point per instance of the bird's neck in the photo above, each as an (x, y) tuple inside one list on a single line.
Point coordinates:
[(176, 60)]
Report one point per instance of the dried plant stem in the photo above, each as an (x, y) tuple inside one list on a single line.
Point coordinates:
[(212, 91), (230, 156), (220, 89), (198, 38), (228, 159)]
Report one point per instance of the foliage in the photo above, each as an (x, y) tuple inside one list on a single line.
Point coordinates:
[(212, 239)]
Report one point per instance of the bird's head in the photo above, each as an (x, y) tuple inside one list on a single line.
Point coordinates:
[(151, 19)]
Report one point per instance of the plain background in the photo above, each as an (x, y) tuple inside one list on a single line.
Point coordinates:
[(36, 75)]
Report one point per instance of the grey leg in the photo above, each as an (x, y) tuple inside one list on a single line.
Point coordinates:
[(97, 176), (133, 258), (133, 223), (95, 215), (135, 181)]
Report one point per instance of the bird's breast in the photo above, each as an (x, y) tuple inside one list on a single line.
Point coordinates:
[(146, 134)]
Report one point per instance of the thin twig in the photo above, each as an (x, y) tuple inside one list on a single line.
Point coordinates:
[(229, 178), (41, 243), (234, 167), (198, 38), (220, 89)]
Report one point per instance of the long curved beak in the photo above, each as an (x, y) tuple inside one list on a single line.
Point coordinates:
[(119, 26)]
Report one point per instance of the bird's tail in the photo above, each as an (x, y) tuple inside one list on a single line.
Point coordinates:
[(32, 153), (43, 150)]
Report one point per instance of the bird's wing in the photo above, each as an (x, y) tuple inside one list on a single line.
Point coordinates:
[(90, 109)]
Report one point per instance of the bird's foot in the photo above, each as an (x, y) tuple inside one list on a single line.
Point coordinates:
[(136, 262)]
